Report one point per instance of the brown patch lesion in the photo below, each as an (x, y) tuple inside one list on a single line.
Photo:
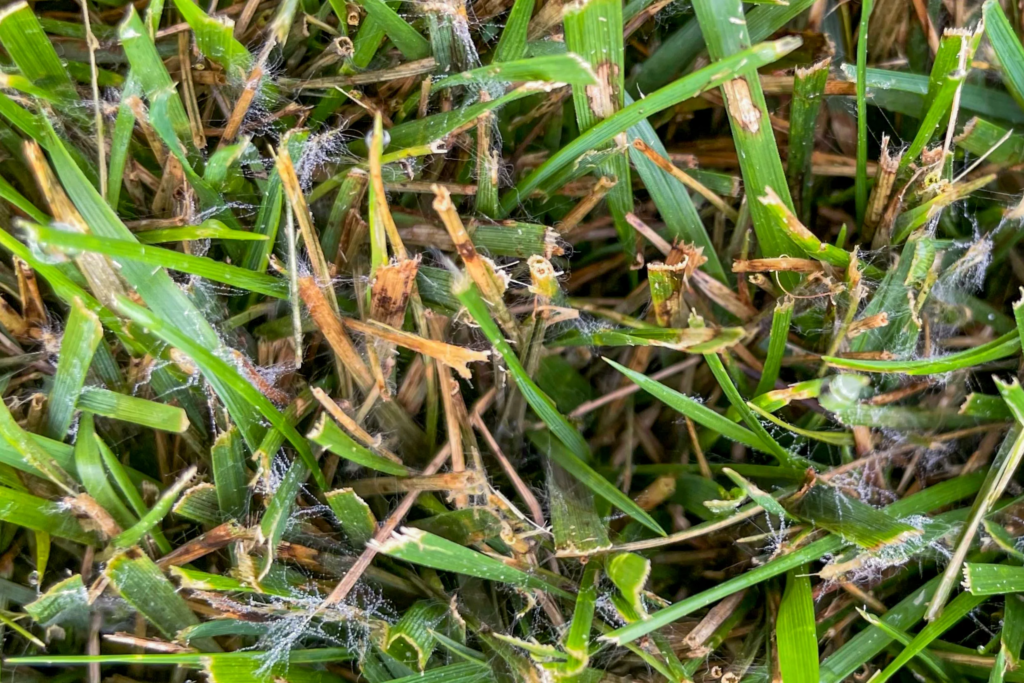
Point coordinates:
[(741, 106), (602, 95)]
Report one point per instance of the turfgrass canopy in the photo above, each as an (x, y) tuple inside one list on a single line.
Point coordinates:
[(512, 340)]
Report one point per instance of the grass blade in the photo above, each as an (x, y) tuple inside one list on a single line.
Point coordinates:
[(986, 580), (798, 641), (725, 31), (777, 339), (38, 514), (81, 337), (202, 266), (861, 179), (998, 478), (627, 117), (1007, 47), (215, 368), (584, 474), (227, 459), (920, 503), (131, 409), (131, 536), (420, 547)]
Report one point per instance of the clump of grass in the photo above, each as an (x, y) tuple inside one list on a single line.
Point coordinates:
[(511, 341)]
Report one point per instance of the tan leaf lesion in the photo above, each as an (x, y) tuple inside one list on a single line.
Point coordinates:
[(741, 107)]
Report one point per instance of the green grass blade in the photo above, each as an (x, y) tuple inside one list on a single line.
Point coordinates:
[(576, 524), (998, 145), (211, 229), (959, 608), (81, 337), (732, 393), (25, 42), (156, 514), (31, 454), (512, 44), (850, 519), (120, 141), (227, 460), (681, 219), (8, 193), (152, 75), (420, 547), (202, 266), (594, 31), (407, 39), (871, 641), (568, 68), (933, 118), (901, 637), (931, 499), (145, 588), (1007, 47), (861, 179), (469, 296), (353, 514), (690, 86), (215, 368), (279, 509), (189, 659), (131, 409), (993, 579), (38, 514), (91, 471), (583, 473), (779, 335), (1002, 347), (797, 639), (694, 410), (328, 434), (725, 31), (215, 39), (808, 95), (998, 478), (154, 286)]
